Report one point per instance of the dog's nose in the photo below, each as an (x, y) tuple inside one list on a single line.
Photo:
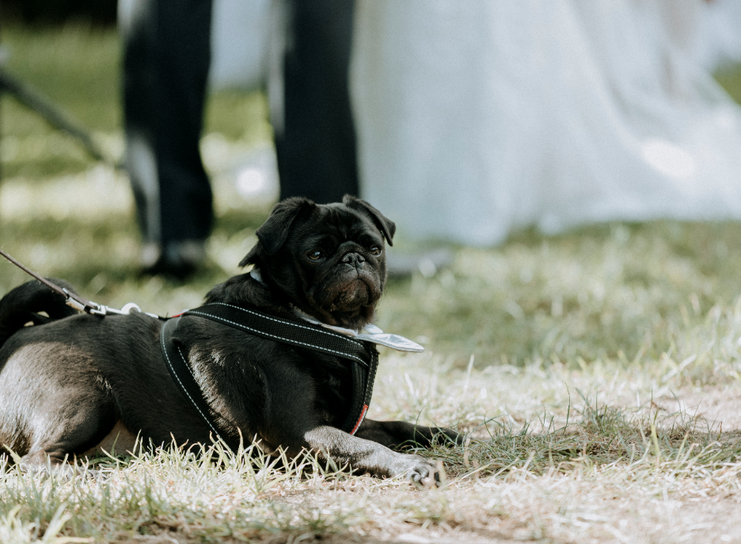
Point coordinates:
[(353, 259)]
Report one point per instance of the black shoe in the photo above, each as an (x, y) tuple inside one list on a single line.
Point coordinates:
[(179, 260)]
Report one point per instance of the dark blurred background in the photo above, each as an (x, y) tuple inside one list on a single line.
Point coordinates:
[(52, 12)]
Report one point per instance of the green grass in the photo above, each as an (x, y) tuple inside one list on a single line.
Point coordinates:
[(596, 372), (78, 69), (591, 294)]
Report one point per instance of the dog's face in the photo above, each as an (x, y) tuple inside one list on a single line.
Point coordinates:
[(327, 260)]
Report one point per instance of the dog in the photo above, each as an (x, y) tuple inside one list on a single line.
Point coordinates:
[(71, 382)]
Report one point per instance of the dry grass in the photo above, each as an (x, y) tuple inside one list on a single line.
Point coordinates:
[(596, 373), (611, 473)]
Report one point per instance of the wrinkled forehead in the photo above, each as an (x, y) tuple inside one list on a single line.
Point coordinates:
[(341, 223)]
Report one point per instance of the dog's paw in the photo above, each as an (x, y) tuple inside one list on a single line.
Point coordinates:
[(418, 470)]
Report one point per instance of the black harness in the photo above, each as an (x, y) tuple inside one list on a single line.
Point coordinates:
[(361, 356)]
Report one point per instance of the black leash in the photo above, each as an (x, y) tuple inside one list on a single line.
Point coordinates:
[(361, 356)]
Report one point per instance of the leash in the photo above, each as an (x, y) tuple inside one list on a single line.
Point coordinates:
[(79, 303)]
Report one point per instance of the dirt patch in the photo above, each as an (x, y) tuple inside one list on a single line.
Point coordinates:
[(720, 406)]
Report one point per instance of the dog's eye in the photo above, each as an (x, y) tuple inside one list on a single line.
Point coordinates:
[(315, 255), (375, 250)]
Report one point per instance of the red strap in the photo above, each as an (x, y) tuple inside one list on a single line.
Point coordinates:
[(360, 420)]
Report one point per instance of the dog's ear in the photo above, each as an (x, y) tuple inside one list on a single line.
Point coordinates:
[(384, 224), (273, 233)]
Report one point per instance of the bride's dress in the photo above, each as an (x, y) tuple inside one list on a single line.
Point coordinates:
[(477, 118)]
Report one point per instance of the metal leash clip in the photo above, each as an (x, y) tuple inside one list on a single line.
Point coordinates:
[(126, 310), (75, 301)]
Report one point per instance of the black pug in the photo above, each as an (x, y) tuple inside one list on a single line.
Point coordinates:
[(72, 381)]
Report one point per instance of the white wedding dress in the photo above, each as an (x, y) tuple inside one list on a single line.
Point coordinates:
[(479, 117)]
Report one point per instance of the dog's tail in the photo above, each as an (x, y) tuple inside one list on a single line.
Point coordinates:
[(25, 304)]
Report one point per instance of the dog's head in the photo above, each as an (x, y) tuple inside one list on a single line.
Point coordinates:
[(328, 260)]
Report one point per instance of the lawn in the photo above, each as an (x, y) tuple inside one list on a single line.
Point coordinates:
[(596, 372)]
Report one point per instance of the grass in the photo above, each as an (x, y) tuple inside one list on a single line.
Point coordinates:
[(596, 372)]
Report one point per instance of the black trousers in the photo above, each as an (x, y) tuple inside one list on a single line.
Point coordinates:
[(165, 70), (165, 65), (316, 147)]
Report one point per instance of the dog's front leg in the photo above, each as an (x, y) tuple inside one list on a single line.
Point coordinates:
[(398, 434), (368, 456)]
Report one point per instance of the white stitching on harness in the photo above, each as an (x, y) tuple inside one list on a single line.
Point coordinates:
[(182, 386), (240, 325), (292, 323)]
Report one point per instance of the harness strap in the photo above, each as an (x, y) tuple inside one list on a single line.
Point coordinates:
[(300, 334), (183, 375), (363, 379), (362, 356)]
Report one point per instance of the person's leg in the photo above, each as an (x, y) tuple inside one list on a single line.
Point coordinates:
[(314, 132), (166, 62)]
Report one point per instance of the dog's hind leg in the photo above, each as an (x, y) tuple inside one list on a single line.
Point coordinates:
[(62, 438), (53, 402)]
